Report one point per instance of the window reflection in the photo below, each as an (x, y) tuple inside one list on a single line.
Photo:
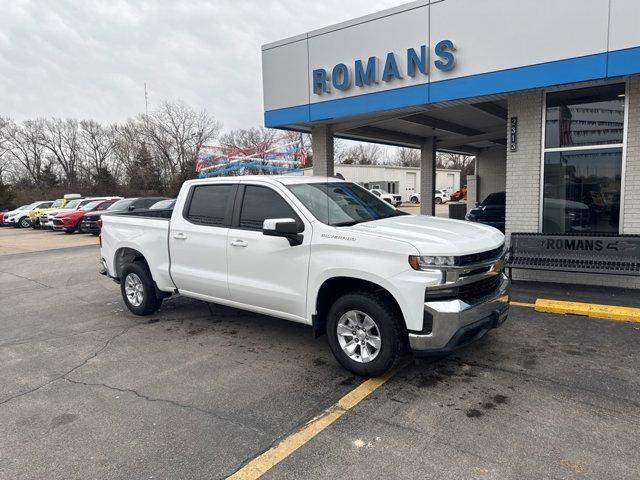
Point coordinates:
[(587, 116), (582, 191)]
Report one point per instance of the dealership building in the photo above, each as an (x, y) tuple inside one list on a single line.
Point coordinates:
[(545, 94)]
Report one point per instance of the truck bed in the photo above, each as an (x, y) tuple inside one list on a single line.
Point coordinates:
[(144, 231)]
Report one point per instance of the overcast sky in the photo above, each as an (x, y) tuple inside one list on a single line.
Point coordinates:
[(90, 58)]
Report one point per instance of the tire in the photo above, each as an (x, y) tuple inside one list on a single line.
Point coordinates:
[(438, 201), (95, 233), (70, 230), (414, 200), (387, 325), (24, 222), (150, 302)]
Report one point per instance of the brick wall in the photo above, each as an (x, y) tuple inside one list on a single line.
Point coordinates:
[(631, 214), (523, 182), (523, 166)]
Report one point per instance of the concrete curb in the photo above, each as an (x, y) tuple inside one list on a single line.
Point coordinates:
[(607, 312)]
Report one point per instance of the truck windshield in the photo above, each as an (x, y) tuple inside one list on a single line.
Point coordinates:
[(342, 203)]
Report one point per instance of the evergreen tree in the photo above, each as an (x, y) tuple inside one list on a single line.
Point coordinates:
[(6, 196), (144, 176)]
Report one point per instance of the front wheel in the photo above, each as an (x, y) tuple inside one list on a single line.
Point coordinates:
[(364, 333), (24, 222), (138, 290), (438, 201), (414, 200)]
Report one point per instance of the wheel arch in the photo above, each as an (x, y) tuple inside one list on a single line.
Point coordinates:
[(334, 287)]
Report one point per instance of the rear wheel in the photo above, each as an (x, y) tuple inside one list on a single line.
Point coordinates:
[(414, 199), (438, 201), (138, 290), (364, 333)]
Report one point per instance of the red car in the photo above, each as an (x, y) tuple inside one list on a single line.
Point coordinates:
[(460, 194), (1, 218), (69, 221)]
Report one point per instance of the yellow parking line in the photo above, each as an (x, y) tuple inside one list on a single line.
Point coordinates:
[(261, 464), (607, 312)]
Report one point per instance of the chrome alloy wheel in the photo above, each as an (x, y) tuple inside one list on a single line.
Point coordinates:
[(359, 336), (134, 289)]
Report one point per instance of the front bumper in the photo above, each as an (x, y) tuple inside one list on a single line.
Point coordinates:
[(89, 227), (456, 323)]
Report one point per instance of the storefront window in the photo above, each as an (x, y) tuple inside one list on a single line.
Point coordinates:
[(583, 160), (588, 116)]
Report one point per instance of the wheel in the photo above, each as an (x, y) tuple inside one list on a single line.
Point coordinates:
[(364, 333), (138, 289), (414, 200), (438, 201), (95, 233), (24, 222)]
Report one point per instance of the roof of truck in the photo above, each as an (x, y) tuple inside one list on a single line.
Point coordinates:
[(282, 179)]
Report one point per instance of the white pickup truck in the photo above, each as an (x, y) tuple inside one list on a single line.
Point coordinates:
[(319, 251)]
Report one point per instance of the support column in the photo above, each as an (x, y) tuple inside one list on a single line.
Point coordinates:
[(322, 144), (427, 176)]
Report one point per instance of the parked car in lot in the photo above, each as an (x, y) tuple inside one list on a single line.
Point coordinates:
[(491, 211), (393, 199), (46, 221), (20, 216), (166, 204), (459, 195), (319, 251), (36, 214), (90, 222), (439, 197), (69, 221)]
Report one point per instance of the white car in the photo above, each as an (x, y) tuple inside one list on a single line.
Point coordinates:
[(318, 251), (20, 216), (440, 197), (395, 200)]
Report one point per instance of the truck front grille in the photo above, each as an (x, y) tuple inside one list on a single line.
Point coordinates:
[(473, 291), (468, 293), (479, 257)]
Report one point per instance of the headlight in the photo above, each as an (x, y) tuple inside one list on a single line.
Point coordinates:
[(423, 262)]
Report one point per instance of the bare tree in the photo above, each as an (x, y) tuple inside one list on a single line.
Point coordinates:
[(62, 139), (98, 143), (22, 146), (176, 132), (361, 154), (408, 157), (128, 140)]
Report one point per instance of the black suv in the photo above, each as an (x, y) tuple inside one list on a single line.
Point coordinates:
[(90, 224), (491, 211)]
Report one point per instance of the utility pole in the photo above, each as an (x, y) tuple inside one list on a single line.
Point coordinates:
[(146, 101)]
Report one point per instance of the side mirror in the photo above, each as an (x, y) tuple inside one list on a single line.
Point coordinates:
[(131, 208), (283, 227)]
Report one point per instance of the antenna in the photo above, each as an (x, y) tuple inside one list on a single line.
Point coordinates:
[(146, 101)]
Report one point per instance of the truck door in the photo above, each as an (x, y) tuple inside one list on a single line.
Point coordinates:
[(264, 271), (198, 241)]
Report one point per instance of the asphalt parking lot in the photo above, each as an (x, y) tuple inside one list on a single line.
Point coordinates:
[(88, 390)]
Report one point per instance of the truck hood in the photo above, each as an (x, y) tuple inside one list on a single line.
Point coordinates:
[(433, 235)]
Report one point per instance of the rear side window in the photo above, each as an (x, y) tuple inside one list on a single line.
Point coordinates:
[(261, 203), (209, 204), (496, 199)]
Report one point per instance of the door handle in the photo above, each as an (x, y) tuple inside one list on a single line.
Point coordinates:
[(239, 243), (180, 236)]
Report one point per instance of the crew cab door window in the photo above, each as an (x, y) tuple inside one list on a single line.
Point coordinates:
[(198, 241), (261, 203), (208, 204), (264, 271)]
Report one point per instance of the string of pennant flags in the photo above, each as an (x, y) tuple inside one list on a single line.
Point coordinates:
[(218, 160)]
